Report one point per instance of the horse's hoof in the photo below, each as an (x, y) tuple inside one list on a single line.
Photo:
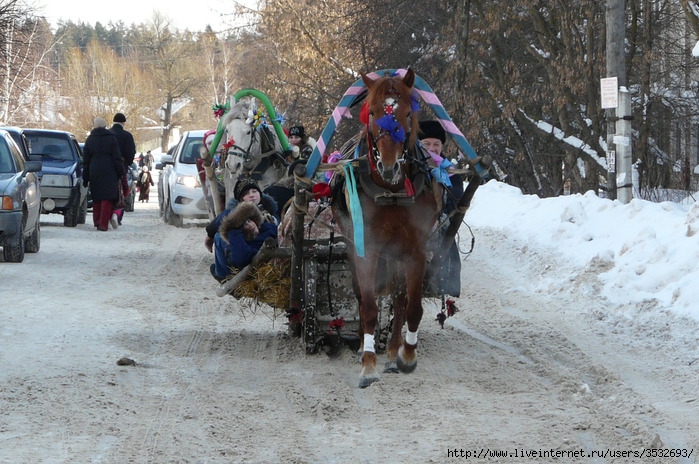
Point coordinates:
[(404, 367), (390, 368), (366, 380)]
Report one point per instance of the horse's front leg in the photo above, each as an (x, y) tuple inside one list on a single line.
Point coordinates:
[(368, 314), (399, 303), (407, 353)]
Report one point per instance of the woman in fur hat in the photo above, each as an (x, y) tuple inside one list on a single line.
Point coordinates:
[(241, 235)]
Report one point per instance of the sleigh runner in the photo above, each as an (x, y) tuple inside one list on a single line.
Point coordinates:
[(322, 306)]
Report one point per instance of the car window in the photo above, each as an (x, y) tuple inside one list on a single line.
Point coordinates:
[(50, 147), (190, 151), (18, 156), (6, 164), (78, 148)]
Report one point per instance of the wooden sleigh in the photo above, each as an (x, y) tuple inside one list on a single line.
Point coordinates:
[(322, 306)]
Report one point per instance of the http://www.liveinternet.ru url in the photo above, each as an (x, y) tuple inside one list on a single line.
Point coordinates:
[(487, 453)]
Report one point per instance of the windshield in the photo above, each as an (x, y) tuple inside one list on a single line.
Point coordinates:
[(190, 151), (50, 147)]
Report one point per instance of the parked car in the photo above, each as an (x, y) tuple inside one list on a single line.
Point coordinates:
[(18, 136), (62, 190), (20, 197), (89, 195), (179, 191)]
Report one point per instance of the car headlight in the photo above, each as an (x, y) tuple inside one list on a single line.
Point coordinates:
[(56, 180), (188, 181)]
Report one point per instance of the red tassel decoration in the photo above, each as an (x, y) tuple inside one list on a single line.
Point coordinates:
[(364, 113), (451, 307), (337, 324), (409, 189), (321, 189)]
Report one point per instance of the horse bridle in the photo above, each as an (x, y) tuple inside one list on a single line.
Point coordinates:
[(390, 106), (262, 165), (245, 152)]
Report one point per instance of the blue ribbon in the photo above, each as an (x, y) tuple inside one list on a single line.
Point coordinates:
[(440, 173), (355, 210)]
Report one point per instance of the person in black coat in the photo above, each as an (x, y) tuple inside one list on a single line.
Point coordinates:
[(127, 147), (447, 275), (103, 170)]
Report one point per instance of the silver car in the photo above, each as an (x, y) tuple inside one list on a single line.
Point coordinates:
[(179, 186), (20, 207)]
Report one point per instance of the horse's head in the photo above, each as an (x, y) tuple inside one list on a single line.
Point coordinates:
[(242, 142), (391, 128)]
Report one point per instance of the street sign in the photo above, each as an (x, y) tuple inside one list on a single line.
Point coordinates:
[(610, 92)]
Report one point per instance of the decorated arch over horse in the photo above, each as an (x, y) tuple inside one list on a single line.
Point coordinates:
[(357, 91), (271, 112)]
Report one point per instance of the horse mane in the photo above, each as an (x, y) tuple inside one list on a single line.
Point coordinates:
[(238, 111)]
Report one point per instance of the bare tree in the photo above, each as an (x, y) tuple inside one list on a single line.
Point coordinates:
[(98, 82), (167, 58), (26, 45)]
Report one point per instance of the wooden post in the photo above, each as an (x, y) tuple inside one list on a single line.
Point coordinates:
[(616, 67), (302, 186)]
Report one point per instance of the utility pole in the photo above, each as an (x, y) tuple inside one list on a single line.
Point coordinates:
[(616, 67)]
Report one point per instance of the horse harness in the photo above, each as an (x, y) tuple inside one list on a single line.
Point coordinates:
[(412, 189), (383, 196), (266, 158)]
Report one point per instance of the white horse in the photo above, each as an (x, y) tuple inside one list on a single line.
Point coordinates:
[(254, 150)]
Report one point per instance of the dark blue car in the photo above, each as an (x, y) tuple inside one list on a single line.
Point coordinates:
[(62, 190), (20, 207)]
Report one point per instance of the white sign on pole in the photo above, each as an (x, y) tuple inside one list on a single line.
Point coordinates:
[(610, 92)]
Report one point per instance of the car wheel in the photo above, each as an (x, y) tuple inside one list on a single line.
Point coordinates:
[(166, 212), (70, 216), (171, 217), (33, 243), (161, 202), (13, 252), (82, 215), (176, 220)]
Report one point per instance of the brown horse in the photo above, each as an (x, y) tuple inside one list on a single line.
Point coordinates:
[(399, 207)]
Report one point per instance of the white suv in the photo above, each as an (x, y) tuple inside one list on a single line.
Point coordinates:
[(179, 190)]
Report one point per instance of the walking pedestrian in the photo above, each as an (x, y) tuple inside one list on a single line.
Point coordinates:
[(103, 170), (145, 180), (127, 147)]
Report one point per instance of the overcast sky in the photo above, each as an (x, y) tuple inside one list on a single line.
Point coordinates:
[(183, 15)]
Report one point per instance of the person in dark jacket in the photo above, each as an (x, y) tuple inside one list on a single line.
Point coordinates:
[(447, 274), (127, 147), (103, 170), (244, 190), (241, 235), (301, 144)]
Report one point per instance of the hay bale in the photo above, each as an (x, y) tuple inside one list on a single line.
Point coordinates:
[(268, 283)]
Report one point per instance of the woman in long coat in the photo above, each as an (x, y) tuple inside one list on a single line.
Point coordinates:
[(103, 169)]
